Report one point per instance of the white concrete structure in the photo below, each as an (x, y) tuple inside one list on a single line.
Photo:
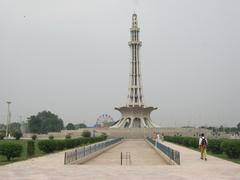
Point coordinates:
[(135, 114), (8, 120)]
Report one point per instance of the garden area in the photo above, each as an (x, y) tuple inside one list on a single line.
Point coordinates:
[(228, 149), (17, 150)]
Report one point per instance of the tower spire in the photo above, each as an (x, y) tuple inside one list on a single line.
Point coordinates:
[(135, 94)]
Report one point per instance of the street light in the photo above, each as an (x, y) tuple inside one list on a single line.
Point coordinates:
[(8, 119)]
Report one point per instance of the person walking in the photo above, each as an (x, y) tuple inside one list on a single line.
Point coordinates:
[(158, 137), (203, 143)]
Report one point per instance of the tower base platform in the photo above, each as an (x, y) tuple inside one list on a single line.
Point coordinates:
[(135, 117)]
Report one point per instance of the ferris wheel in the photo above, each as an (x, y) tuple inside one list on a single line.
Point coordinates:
[(104, 120)]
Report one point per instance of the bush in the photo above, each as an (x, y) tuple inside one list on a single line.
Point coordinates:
[(51, 137), (104, 136), (231, 148), (68, 136), (70, 143), (60, 144), (214, 145), (86, 133), (34, 137), (11, 150), (30, 148), (47, 146), (17, 135)]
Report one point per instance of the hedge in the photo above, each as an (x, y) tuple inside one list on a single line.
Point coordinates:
[(60, 145), (30, 148), (231, 148), (10, 150), (217, 146), (49, 146)]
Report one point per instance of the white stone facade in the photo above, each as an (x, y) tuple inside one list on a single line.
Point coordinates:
[(135, 114)]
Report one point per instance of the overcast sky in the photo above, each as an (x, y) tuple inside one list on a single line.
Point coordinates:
[(72, 58)]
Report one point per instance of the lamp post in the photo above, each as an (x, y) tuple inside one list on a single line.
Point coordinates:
[(8, 119)]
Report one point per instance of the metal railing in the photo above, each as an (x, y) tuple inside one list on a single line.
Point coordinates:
[(84, 151), (171, 153)]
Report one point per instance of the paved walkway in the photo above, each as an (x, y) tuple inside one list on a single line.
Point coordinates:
[(141, 154), (51, 167)]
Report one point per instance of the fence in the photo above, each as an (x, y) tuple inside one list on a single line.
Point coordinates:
[(171, 153), (84, 151)]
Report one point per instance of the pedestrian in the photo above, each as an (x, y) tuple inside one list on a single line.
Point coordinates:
[(158, 137), (203, 143), (155, 137)]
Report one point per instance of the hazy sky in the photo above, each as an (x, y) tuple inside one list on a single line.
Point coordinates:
[(72, 58)]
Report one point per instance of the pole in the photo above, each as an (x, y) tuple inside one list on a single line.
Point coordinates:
[(121, 158), (65, 158), (8, 119)]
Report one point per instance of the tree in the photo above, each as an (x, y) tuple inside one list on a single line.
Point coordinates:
[(70, 126), (221, 128), (17, 134), (238, 126), (45, 122), (2, 127), (34, 124), (2, 134), (86, 134), (81, 125), (14, 127)]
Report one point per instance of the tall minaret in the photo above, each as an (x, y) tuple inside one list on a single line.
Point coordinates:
[(135, 114), (135, 94)]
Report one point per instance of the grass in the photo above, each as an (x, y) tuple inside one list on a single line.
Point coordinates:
[(224, 156), (3, 159), (221, 156)]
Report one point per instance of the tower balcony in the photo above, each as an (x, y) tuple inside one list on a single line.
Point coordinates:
[(135, 29), (130, 43)]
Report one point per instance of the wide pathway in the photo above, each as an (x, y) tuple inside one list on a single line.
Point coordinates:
[(141, 154), (51, 167)]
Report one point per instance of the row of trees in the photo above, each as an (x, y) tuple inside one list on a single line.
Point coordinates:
[(71, 126), (13, 127), (41, 123), (224, 129)]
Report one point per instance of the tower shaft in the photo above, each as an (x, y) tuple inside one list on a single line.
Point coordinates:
[(135, 94)]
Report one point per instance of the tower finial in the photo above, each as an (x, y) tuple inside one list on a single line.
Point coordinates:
[(134, 20)]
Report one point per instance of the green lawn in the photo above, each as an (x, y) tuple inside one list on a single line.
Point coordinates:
[(3, 159), (222, 156)]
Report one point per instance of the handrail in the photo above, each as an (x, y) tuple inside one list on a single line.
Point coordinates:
[(171, 153), (81, 152)]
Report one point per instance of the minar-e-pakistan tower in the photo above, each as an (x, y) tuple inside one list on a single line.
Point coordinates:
[(135, 114)]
